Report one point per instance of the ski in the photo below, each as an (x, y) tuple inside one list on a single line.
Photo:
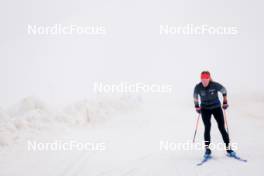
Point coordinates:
[(235, 156), (205, 159)]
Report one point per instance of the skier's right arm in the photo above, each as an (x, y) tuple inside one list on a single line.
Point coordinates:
[(196, 100)]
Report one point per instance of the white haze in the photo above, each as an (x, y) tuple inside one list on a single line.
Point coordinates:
[(62, 69)]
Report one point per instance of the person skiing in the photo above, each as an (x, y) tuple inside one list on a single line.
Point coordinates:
[(207, 90)]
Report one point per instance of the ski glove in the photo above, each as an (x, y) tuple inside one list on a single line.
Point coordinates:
[(225, 105), (198, 109)]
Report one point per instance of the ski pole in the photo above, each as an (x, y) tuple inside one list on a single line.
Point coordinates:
[(226, 122), (196, 127)]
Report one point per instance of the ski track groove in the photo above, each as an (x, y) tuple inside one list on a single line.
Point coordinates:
[(75, 165), (123, 171)]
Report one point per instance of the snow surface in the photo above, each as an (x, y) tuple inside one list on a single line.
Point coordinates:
[(132, 131)]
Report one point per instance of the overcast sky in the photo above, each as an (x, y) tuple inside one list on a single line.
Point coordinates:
[(61, 68)]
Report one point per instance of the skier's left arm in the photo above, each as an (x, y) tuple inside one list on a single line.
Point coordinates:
[(222, 89)]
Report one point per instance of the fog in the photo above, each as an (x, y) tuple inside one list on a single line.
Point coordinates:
[(60, 69)]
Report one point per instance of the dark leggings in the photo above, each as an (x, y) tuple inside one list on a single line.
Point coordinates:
[(219, 117)]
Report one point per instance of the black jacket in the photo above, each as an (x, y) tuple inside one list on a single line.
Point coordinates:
[(209, 95)]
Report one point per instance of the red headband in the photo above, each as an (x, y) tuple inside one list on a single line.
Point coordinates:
[(205, 76)]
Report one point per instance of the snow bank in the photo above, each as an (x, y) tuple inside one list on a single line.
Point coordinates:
[(98, 110), (7, 128), (33, 115)]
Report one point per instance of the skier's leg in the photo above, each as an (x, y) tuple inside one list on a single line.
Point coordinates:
[(206, 117), (219, 117)]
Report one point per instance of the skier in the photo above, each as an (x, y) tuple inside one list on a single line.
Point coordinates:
[(209, 105)]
